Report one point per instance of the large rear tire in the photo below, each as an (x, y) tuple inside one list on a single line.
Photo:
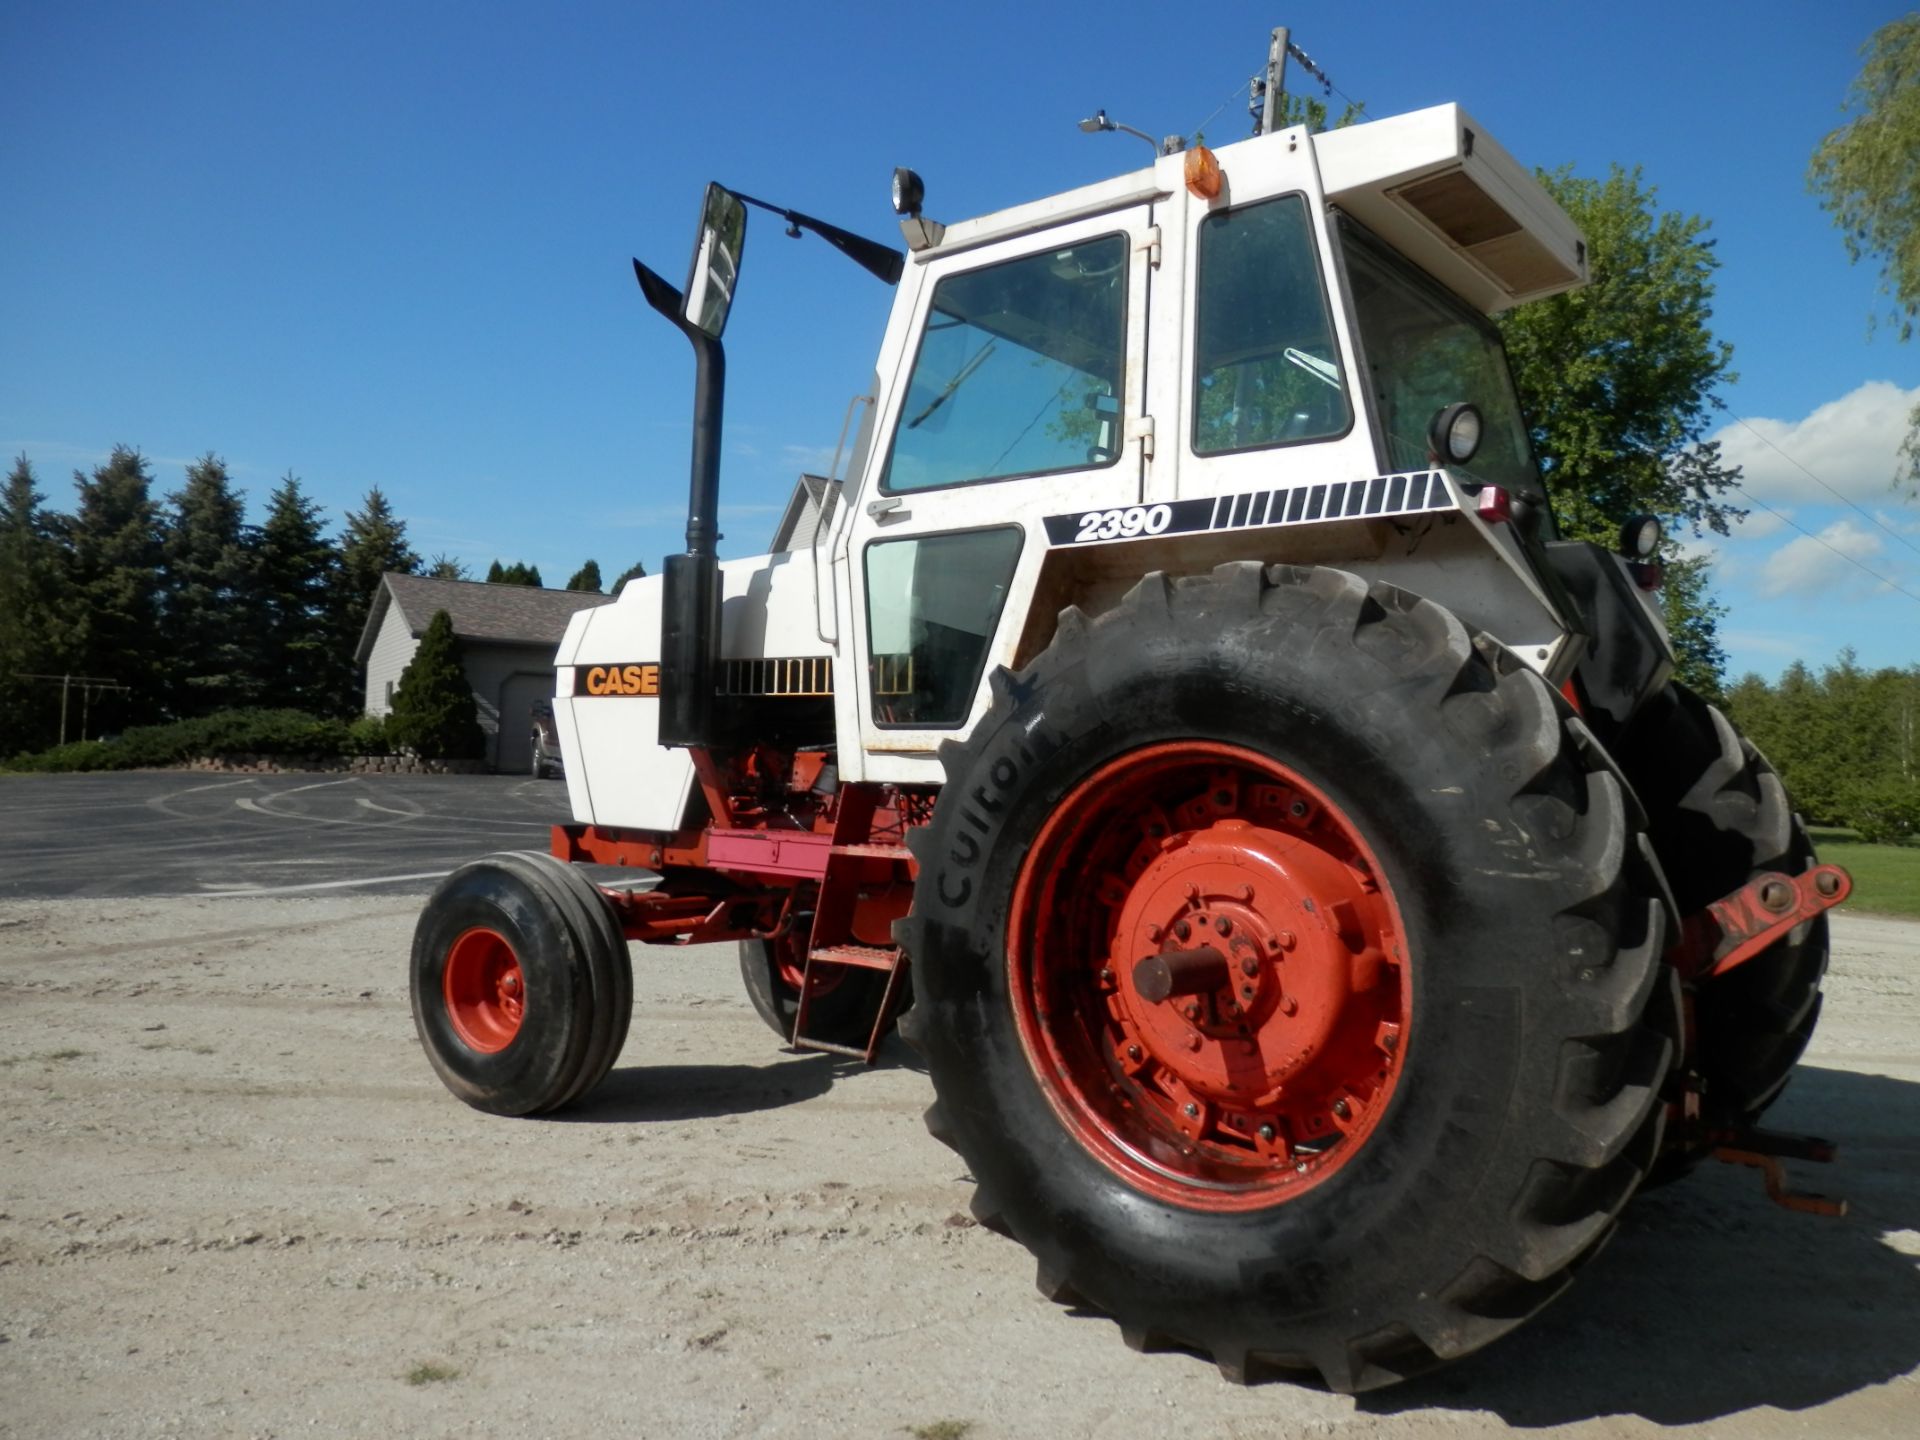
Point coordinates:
[(1718, 815), (521, 984), (1393, 1122)]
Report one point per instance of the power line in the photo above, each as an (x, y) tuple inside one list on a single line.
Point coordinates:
[(1875, 519), (1890, 584)]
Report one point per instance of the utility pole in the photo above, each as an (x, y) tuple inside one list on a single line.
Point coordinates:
[(1276, 79), (88, 685)]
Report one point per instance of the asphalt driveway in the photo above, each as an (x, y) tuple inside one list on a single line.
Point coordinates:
[(196, 833)]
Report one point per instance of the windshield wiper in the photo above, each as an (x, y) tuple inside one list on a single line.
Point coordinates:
[(954, 384), (1324, 371)]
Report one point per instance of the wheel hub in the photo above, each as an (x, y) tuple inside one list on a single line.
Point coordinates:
[(1219, 1013), (484, 990)]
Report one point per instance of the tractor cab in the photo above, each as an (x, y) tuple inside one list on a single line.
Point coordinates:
[(1279, 350)]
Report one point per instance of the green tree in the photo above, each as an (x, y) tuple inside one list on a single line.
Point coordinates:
[(434, 714), (215, 635), (1617, 382), (29, 581), (373, 544), (108, 618), (295, 572), (634, 571), (1617, 378), (514, 574), (1693, 619), (445, 567), (587, 577), (1867, 175)]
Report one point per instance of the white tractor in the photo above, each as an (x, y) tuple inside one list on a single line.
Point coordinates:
[(1324, 911)]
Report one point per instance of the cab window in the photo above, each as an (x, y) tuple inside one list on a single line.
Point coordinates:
[(1019, 371), (1266, 369), (932, 604)]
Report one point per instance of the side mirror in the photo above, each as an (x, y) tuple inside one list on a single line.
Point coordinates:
[(716, 261)]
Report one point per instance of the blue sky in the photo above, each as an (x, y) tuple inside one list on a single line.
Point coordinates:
[(388, 244)]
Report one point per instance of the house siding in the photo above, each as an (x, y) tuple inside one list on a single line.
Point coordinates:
[(392, 652)]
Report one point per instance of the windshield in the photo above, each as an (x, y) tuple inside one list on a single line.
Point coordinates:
[(1018, 372), (1425, 350)]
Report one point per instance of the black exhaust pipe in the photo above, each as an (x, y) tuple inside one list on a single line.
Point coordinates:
[(690, 603)]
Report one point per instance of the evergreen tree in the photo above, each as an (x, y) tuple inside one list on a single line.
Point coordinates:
[(514, 574), (587, 577), (434, 714), (296, 570), (108, 618), (373, 544), (632, 572), (29, 577), (445, 567), (214, 631)]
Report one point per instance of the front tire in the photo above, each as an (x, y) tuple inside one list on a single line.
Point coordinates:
[(1416, 1156), (521, 985)]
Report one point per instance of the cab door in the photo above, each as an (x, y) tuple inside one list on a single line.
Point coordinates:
[(1015, 392)]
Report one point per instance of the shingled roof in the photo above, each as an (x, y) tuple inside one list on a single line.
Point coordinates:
[(481, 614)]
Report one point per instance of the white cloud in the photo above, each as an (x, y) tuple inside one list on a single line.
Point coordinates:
[(1772, 642), (1808, 565), (1852, 443), (1761, 523)]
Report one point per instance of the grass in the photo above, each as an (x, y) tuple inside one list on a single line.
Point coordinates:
[(428, 1373), (1886, 878), (941, 1430)]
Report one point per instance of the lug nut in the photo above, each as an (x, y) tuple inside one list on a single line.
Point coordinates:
[(1133, 1052), (1249, 967), (1192, 1012), (1193, 1040), (1342, 1109), (1776, 895), (1223, 925), (1298, 809), (1246, 992), (1390, 1041), (1288, 940), (1182, 929), (1827, 883), (1267, 1133), (1106, 977), (1192, 1109), (1154, 932), (1289, 1006)]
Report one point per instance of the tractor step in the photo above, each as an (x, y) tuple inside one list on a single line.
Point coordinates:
[(867, 957), (886, 959), (873, 852)]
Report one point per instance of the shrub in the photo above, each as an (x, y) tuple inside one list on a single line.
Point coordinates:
[(229, 732), (434, 714), (368, 736), (1885, 811)]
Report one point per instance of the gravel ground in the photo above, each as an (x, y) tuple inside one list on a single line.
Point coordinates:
[(235, 1201)]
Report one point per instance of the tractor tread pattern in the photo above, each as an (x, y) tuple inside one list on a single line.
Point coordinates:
[(1609, 1113)]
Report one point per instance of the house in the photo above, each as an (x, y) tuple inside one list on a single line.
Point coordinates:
[(508, 635), (809, 511)]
